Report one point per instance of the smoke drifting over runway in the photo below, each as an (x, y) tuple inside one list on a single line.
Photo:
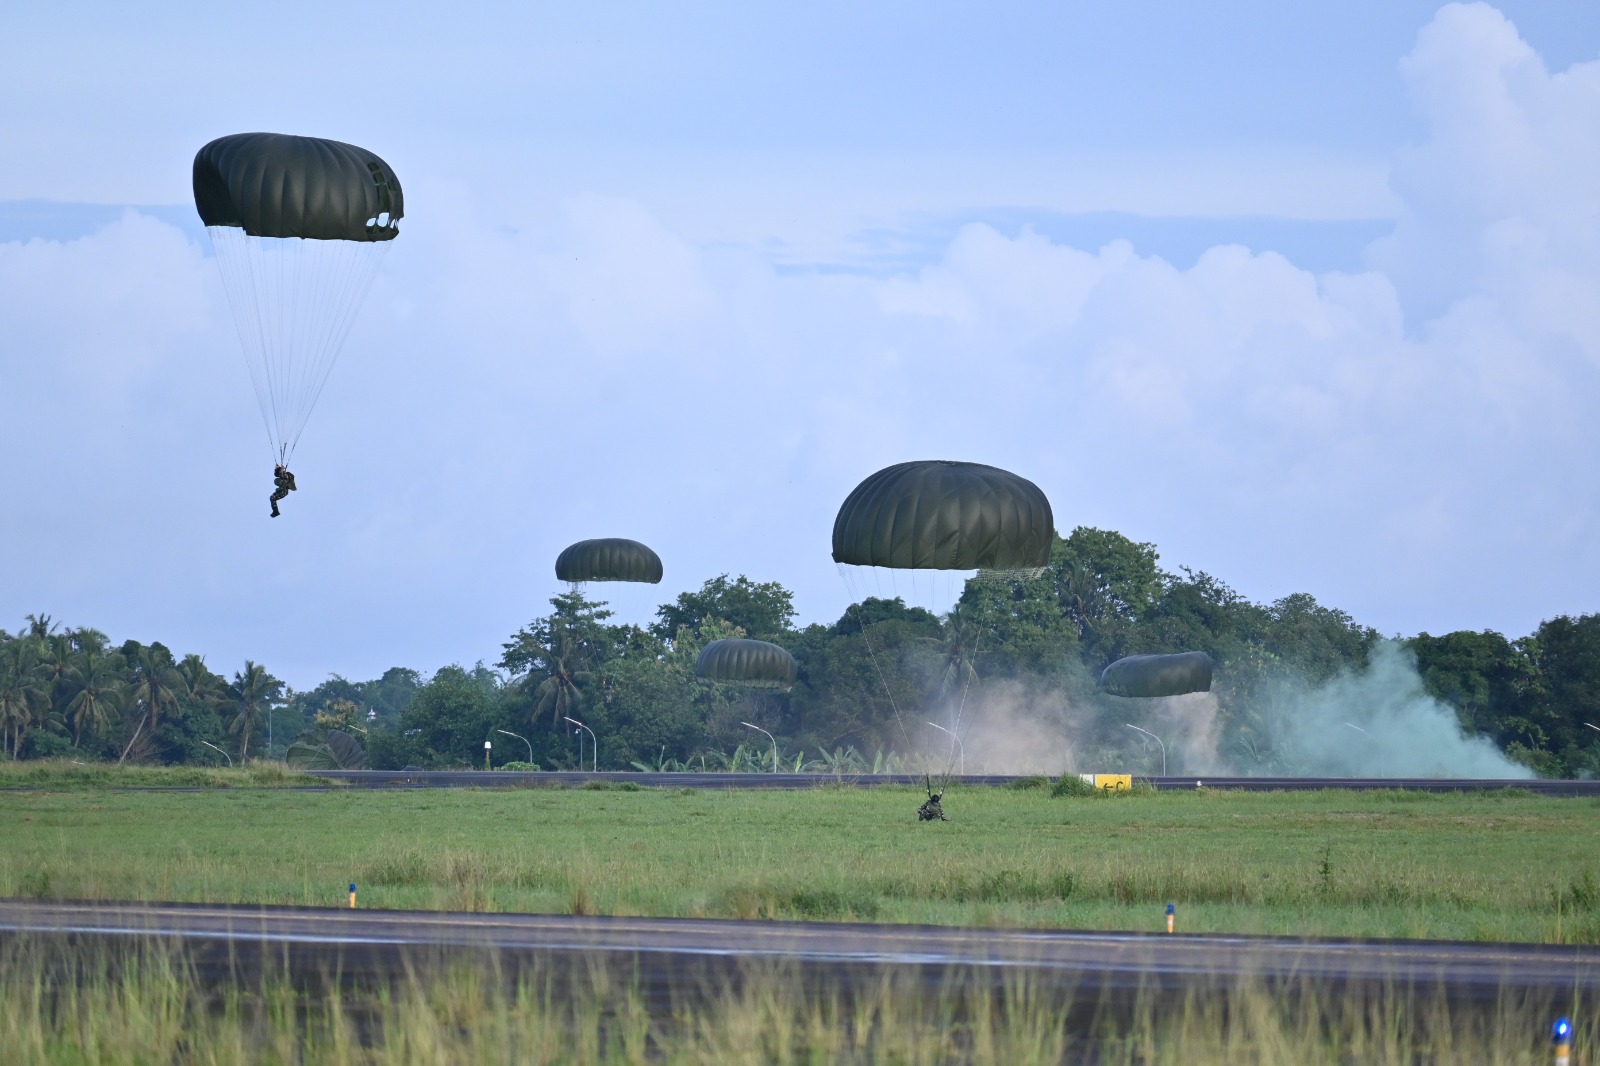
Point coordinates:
[(1378, 721)]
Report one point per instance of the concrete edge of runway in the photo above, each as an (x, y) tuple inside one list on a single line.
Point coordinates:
[(378, 941)]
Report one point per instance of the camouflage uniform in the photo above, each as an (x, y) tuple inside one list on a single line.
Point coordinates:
[(932, 811), (285, 485)]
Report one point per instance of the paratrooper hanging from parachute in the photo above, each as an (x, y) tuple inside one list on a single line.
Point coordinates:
[(933, 522), (299, 225)]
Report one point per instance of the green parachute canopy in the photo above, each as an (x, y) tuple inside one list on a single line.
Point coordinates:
[(609, 559), (299, 225), (747, 662), (944, 515), (277, 185), (1158, 675)]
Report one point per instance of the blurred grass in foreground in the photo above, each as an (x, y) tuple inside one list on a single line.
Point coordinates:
[(147, 1006)]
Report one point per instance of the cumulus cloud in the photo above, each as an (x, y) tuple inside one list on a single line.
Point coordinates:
[(1393, 439)]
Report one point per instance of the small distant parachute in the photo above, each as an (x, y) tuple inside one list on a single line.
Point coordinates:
[(299, 225), (755, 663), (608, 559), (1158, 675), (944, 515)]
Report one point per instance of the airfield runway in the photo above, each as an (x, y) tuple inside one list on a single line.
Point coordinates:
[(576, 779), (667, 959)]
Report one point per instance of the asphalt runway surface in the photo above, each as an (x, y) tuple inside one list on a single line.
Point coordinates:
[(575, 779), (669, 961)]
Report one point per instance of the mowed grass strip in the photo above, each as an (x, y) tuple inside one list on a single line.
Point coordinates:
[(1485, 866)]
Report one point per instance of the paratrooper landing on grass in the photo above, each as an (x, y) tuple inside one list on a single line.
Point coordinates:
[(933, 810)]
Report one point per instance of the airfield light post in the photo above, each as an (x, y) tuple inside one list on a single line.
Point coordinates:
[(960, 747), (213, 747), (520, 737), (564, 718), (1155, 738), (594, 756), (1369, 736), (770, 737), (486, 746)]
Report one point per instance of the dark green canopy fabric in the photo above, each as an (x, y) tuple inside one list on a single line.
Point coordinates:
[(1158, 675), (609, 559), (277, 185), (747, 662), (943, 515)]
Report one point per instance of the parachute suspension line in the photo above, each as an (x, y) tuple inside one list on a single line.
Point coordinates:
[(872, 653), (239, 282), (295, 301), (350, 272), (959, 726)]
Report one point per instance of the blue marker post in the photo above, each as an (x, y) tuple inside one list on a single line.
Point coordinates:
[(1172, 915), (352, 895), (1561, 1037)]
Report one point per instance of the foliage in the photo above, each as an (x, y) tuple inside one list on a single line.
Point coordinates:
[(868, 682), (764, 610)]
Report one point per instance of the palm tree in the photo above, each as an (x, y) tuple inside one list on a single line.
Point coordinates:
[(1081, 594), (200, 684), (254, 692), (156, 685), (58, 665), (560, 692), (100, 696), (86, 639), (22, 690), (958, 652)]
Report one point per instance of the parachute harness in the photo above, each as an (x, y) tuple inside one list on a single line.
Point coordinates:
[(931, 811)]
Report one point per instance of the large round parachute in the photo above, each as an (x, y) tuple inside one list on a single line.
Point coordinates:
[(916, 533), (739, 661), (944, 515), (1158, 675), (608, 559), (299, 225)]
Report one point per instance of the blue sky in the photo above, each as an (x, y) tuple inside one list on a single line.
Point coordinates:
[(1305, 294)]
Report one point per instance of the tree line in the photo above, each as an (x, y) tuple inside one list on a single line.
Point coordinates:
[(862, 678)]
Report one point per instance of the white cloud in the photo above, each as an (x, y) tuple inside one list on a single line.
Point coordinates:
[(1501, 201), (1410, 442)]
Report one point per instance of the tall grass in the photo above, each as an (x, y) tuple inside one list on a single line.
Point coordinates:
[(149, 1006), (72, 774)]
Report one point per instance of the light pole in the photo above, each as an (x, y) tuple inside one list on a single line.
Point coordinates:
[(594, 756), (770, 737), (486, 746), (520, 737), (1155, 738), (960, 747), (213, 747)]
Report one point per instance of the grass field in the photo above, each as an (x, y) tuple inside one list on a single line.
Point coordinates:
[(1486, 866)]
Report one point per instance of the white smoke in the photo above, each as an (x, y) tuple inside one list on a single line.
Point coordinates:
[(1378, 721)]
